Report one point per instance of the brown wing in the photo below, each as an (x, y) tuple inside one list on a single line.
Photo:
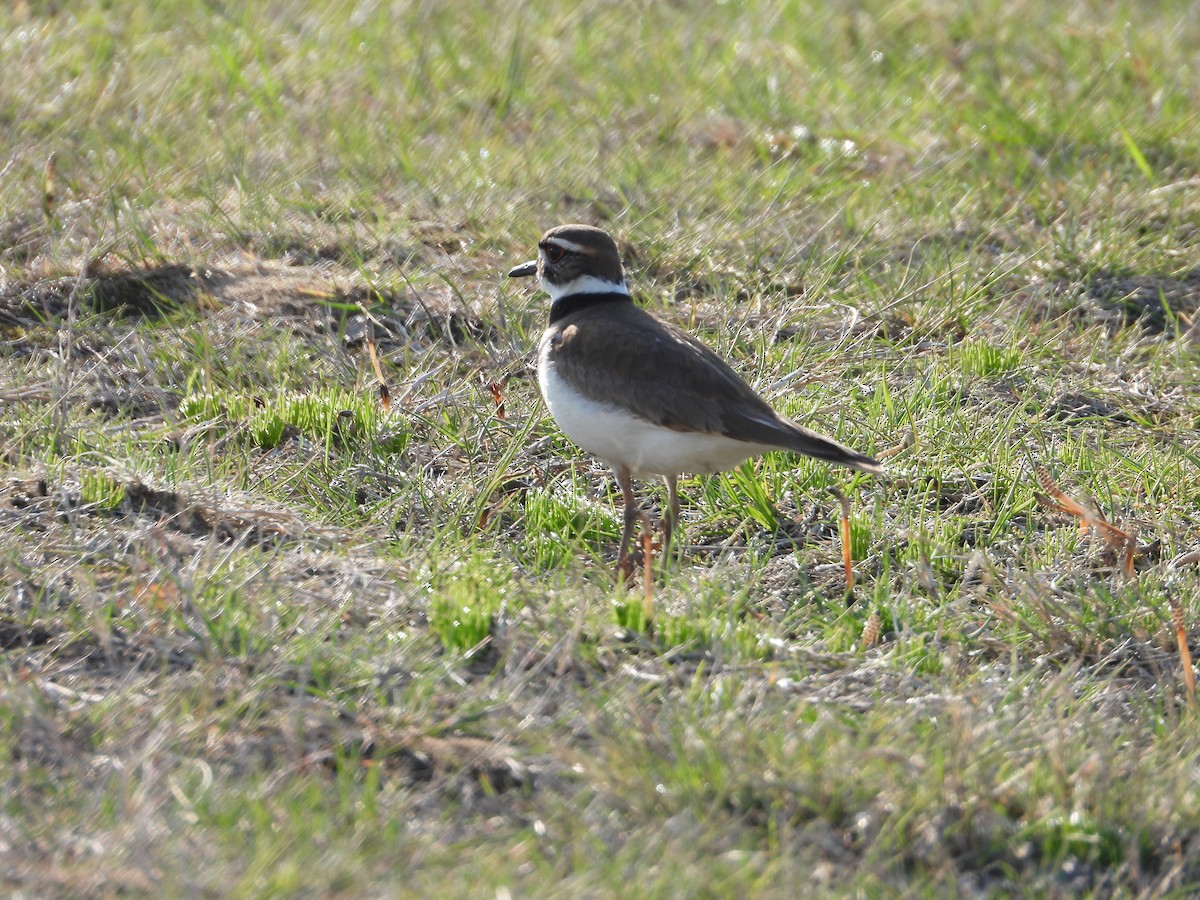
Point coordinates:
[(669, 378)]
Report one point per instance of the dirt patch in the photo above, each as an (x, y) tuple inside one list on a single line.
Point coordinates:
[(36, 505), (17, 634), (1069, 406), (423, 758), (145, 292), (1153, 302), (1158, 304), (200, 515), (308, 299)]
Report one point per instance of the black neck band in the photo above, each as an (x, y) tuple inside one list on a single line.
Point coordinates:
[(573, 303)]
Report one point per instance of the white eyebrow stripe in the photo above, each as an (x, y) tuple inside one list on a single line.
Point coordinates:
[(567, 245)]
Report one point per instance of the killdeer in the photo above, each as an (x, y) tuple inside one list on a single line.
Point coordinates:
[(641, 395)]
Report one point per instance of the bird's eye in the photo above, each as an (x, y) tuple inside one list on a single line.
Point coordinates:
[(554, 252)]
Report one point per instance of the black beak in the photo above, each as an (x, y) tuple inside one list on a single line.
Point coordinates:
[(524, 270)]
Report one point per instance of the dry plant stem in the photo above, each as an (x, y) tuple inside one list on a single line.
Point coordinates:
[(49, 188), (498, 398), (1185, 655), (870, 635), (1124, 542), (1130, 554), (844, 501), (908, 441), (385, 395), (1059, 501)]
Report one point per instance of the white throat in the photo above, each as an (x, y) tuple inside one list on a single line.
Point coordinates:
[(584, 284)]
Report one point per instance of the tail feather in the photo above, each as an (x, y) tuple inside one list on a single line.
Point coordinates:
[(766, 427), (818, 446)]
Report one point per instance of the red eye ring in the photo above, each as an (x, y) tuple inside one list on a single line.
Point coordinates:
[(554, 252)]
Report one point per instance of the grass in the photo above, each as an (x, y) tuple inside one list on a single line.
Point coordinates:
[(261, 636)]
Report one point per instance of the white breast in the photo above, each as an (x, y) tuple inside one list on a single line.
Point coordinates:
[(619, 438)]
